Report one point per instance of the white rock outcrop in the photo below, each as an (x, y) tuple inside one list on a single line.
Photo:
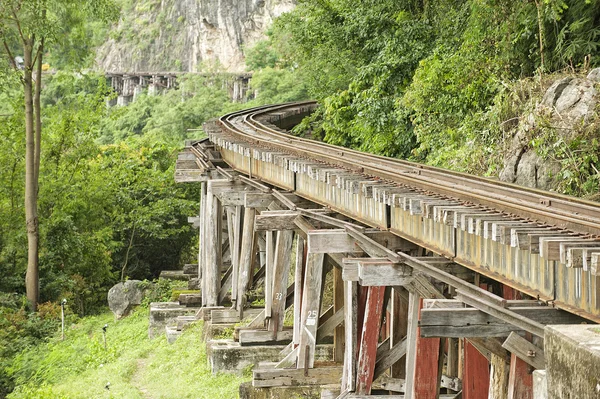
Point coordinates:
[(188, 35)]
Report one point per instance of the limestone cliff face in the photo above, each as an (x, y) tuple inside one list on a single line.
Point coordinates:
[(187, 35)]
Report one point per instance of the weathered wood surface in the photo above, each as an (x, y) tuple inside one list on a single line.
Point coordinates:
[(311, 305), (350, 320), (296, 377), (388, 358), (525, 350), (475, 381), (254, 337), (298, 285), (369, 339), (246, 256), (327, 328), (471, 322), (281, 272)]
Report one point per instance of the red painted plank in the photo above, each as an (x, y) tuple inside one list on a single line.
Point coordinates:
[(520, 378), (476, 374), (369, 339), (426, 385)]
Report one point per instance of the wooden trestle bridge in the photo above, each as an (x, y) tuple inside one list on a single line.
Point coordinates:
[(432, 283)]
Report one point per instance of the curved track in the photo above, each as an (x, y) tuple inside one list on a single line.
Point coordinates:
[(532, 204)]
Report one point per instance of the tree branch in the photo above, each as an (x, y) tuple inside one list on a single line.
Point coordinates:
[(10, 55)]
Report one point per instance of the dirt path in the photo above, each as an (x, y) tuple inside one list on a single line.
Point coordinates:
[(136, 379)]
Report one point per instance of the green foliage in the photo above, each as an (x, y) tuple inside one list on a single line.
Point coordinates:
[(80, 366), (428, 80)]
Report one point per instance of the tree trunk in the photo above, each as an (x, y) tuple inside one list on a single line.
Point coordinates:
[(31, 216)]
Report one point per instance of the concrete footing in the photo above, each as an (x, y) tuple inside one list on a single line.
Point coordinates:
[(247, 391), (166, 313), (572, 361), (226, 355)]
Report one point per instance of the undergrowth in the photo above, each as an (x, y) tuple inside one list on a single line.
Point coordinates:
[(130, 366)]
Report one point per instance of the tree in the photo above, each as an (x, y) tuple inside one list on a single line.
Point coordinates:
[(32, 26)]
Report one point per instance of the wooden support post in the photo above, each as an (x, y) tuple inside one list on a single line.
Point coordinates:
[(246, 257), (411, 344), (281, 272), (369, 339), (311, 305), (398, 326), (270, 253), (213, 220), (201, 241), (235, 252), (520, 377), (476, 373), (350, 326), (338, 303), (427, 376), (298, 285)]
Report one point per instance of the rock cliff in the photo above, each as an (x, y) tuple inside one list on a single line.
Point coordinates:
[(187, 35)]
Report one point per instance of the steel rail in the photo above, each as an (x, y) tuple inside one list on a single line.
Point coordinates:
[(551, 208)]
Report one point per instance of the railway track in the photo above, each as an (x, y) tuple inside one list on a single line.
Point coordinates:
[(539, 206)]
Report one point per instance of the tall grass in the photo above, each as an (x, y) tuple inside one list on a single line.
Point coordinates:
[(131, 366)]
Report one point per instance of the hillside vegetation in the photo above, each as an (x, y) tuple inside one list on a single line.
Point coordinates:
[(442, 82)]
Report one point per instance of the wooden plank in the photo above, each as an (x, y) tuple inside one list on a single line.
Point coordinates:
[(509, 316), (368, 341), (254, 337), (281, 272), (427, 366), (525, 350), (269, 266), (398, 326), (246, 256), (390, 384), (350, 320), (201, 241), (263, 378), (383, 273), (275, 220), (289, 361), (298, 285), (311, 304), (213, 244), (475, 381), (411, 344), (327, 328), (235, 252), (471, 322), (338, 305), (389, 358)]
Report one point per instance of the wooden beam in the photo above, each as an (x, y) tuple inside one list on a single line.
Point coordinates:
[(471, 322), (427, 366), (411, 344), (327, 328), (298, 285), (482, 303), (263, 378), (475, 381), (281, 272), (213, 248), (525, 350), (246, 256), (311, 305), (338, 305), (350, 320), (368, 341), (254, 337), (389, 358)]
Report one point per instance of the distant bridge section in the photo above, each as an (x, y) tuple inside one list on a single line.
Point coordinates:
[(128, 85)]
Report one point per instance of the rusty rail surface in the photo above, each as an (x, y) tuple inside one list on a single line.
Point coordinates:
[(547, 207)]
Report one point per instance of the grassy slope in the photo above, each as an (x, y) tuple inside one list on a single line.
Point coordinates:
[(135, 366)]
